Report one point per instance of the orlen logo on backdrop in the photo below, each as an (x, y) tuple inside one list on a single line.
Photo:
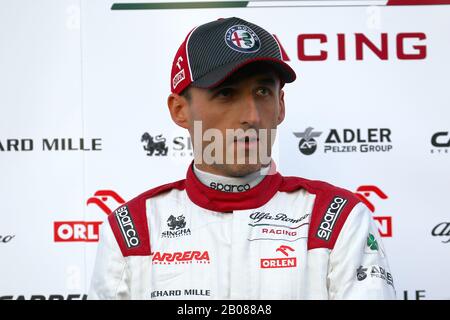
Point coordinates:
[(384, 222), (86, 231), (76, 231)]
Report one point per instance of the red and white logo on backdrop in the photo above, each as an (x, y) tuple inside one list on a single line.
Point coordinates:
[(86, 231), (408, 46), (384, 222)]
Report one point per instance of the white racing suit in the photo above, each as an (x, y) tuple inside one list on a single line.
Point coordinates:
[(285, 238)]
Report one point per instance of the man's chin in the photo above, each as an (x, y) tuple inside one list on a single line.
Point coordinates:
[(239, 170)]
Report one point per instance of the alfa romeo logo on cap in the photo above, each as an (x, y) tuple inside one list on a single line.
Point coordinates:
[(243, 39)]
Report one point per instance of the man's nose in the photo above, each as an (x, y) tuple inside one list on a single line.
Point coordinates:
[(250, 114)]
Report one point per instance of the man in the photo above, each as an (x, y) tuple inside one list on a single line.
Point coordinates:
[(235, 228)]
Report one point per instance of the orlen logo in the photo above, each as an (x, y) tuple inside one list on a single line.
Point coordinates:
[(384, 222), (287, 262), (85, 231), (185, 257), (76, 231)]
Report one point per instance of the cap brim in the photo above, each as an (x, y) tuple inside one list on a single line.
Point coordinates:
[(219, 75)]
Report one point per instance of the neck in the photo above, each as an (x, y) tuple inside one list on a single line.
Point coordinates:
[(231, 184)]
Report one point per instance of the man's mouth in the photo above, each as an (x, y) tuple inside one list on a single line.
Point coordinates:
[(247, 142), (246, 139)]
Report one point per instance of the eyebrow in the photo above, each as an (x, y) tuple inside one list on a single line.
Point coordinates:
[(266, 79)]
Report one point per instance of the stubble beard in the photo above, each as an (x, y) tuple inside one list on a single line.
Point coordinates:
[(234, 153)]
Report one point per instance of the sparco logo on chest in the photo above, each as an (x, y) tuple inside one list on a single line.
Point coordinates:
[(329, 219), (127, 227), (229, 187)]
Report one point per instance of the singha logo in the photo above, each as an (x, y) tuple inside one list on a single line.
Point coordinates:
[(158, 145), (177, 226), (176, 223)]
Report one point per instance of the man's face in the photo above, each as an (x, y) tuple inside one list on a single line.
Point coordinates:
[(249, 101)]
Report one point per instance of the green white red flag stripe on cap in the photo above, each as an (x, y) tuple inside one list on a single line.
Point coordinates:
[(268, 4)]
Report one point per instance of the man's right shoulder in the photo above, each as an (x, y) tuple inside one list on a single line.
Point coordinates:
[(129, 221)]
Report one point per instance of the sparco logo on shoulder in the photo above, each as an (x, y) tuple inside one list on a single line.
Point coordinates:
[(330, 218), (127, 227)]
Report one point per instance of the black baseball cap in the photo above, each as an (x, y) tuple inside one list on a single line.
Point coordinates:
[(215, 50)]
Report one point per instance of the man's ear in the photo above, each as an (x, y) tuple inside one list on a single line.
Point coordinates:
[(281, 110), (179, 110)]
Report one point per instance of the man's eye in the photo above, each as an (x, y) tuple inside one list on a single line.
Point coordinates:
[(263, 92), (224, 93)]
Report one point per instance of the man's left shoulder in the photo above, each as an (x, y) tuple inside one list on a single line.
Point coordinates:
[(323, 190), (332, 206)]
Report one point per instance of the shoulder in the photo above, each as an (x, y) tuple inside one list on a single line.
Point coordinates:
[(129, 221), (332, 206), (317, 187)]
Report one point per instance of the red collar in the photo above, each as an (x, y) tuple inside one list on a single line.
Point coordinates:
[(221, 201)]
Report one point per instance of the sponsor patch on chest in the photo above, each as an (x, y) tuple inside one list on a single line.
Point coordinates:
[(279, 226)]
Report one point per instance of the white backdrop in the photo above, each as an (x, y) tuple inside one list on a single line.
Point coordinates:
[(81, 83)]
